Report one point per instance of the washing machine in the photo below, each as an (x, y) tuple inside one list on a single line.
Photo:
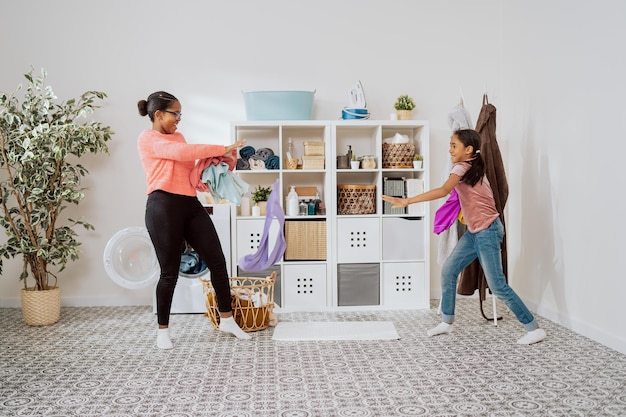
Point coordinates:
[(130, 261)]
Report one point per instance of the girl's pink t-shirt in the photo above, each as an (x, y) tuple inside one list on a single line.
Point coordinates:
[(168, 161), (477, 202)]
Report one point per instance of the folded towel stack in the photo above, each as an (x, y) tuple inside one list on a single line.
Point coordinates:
[(251, 159)]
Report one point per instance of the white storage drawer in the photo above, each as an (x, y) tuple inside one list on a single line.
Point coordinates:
[(403, 239), (249, 233), (304, 286), (404, 285), (358, 240)]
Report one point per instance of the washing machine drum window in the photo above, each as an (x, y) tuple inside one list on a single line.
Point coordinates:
[(191, 265), (130, 260)]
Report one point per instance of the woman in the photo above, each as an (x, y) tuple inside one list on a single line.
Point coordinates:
[(173, 212), (483, 238)]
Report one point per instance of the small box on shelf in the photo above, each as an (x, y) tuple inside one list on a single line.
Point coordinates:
[(313, 162), (314, 148)]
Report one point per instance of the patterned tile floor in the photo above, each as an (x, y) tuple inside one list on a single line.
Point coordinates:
[(102, 361)]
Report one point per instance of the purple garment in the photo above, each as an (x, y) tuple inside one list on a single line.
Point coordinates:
[(446, 215), (261, 260)]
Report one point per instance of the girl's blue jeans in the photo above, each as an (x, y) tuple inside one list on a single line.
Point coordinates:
[(484, 245)]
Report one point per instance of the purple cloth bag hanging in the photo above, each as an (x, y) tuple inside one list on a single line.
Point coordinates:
[(262, 260)]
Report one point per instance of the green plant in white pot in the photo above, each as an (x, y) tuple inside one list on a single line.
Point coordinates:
[(41, 143), (260, 195), (417, 161)]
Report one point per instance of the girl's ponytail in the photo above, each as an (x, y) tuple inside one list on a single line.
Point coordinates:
[(470, 137)]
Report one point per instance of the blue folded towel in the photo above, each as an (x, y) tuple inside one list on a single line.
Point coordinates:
[(272, 162), (246, 152)]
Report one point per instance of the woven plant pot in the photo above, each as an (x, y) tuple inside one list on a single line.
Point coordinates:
[(41, 308), (405, 114)]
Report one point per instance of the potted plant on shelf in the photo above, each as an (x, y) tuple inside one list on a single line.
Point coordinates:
[(260, 196), (418, 161), (404, 106), (41, 143)]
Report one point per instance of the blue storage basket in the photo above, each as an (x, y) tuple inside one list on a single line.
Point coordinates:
[(279, 105)]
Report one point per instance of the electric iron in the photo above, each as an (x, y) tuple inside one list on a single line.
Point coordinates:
[(357, 108)]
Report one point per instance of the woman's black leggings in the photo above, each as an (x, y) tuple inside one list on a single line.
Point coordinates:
[(172, 219)]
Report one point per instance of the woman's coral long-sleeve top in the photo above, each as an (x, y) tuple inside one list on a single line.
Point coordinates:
[(168, 161)]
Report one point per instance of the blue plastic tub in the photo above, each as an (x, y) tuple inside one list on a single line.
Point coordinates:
[(279, 105), (355, 113)]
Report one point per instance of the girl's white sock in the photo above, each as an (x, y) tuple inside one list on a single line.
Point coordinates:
[(163, 339), (228, 325), (441, 328), (534, 336)]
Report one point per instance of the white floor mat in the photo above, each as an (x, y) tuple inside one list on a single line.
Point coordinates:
[(342, 330)]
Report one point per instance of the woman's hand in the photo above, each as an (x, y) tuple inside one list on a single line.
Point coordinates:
[(228, 153), (396, 202)]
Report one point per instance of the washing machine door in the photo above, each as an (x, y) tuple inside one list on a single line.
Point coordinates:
[(130, 260)]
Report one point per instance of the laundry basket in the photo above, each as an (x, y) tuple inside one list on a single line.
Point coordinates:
[(252, 301)]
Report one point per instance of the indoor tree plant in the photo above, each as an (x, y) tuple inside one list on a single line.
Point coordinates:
[(41, 143), (404, 105)]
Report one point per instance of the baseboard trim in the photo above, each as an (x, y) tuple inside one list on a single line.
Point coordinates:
[(581, 327)]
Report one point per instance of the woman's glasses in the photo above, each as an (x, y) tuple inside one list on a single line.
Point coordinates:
[(176, 114)]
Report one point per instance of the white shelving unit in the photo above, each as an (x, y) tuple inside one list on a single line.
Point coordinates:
[(373, 260)]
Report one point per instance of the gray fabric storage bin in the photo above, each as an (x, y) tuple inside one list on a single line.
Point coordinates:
[(358, 284)]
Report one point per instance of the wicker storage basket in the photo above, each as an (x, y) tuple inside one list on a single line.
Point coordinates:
[(244, 292), (306, 240), (398, 155), (312, 162), (314, 148), (291, 163), (356, 199)]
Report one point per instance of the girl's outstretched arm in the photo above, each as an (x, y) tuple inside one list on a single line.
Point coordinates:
[(435, 193)]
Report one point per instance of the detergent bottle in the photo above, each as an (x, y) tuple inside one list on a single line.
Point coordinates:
[(292, 202)]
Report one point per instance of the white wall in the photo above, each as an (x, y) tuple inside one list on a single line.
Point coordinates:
[(206, 54), (561, 115)]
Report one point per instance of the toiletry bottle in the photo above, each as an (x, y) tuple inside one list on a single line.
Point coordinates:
[(311, 211), (318, 203), (304, 209), (292, 202), (322, 209), (291, 151)]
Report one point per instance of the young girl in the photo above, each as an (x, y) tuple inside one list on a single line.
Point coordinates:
[(483, 238), (173, 212)]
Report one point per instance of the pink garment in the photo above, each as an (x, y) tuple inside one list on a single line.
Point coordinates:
[(195, 176), (446, 215)]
